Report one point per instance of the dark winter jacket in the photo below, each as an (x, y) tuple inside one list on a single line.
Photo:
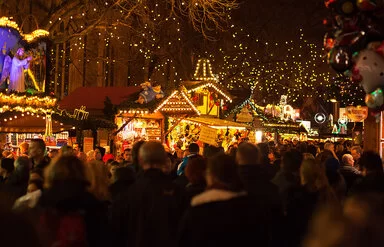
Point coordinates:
[(223, 218), (148, 213), (257, 184), (193, 190), (72, 197), (369, 183)]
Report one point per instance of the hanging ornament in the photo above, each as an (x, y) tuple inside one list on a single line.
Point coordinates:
[(370, 66), (375, 99), (340, 58)]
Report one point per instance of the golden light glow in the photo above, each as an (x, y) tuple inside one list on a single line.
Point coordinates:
[(9, 23)]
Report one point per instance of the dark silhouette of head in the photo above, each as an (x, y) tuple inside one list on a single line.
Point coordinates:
[(193, 148), (371, 163), (292, 161), (248, 154)]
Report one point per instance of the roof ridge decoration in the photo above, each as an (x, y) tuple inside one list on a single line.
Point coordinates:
[(7, 22), (203, 71)]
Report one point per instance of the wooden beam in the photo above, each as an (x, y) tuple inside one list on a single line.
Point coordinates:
[(122, 127)]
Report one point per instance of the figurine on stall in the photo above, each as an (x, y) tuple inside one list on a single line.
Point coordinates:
[(149, 93)]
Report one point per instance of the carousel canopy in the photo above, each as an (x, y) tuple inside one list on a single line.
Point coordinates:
[(17, 122)]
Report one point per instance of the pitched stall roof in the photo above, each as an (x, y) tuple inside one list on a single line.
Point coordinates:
[(178, 102), (192, 86), (93, 97)]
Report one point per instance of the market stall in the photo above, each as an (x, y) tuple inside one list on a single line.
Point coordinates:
[(212, 131)]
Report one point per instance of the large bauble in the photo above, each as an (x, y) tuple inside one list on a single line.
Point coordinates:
[(340, 58), (371, 68), (375, 99)]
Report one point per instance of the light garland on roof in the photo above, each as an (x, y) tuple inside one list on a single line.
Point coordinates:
[(165, 101), (38, 33), (210, 84), (11, 101)]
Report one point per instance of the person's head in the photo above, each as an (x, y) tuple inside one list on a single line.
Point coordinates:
[(65, 169), (324, 156), (66, 150), (302, 147), (312, 149), (37, 149), (232, 150), (76, 147), (36, 173), (20, 52), (99, 153), (371, 163), (124, 174), (152, 155), (135, 151), (339, 147), (34, 185), (98, 179), (248, 154), (313, 175), (329, 146), (356, 152), (119, 158), (53, 153), (22, 164), (291, 161), (210, 151), (222, 173), (6, 166), (24, 146), (308, 156), (127, 155), (113, 166), (263, 152), (193, 148), (195, 169), (348, 145), (347, 160)]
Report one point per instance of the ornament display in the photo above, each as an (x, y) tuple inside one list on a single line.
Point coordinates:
[(355, 44)]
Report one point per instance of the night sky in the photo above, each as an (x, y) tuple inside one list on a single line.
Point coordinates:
[(281, 19)]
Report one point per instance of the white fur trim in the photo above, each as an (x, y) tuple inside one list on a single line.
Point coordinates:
[(215, 195)]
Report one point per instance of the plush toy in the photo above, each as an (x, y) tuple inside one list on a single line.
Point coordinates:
[(149, 93)]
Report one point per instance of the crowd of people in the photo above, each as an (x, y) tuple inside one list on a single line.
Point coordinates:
[(293, 194)]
